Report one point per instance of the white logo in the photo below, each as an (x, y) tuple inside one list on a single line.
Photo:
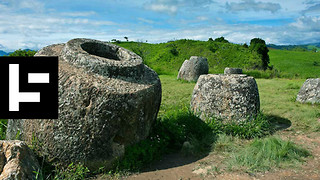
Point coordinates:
[(15, 97)]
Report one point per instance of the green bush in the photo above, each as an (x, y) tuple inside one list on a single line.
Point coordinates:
[(23, 53), (259, 46)]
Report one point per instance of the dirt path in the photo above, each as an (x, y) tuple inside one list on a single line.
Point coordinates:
[(177, 167)]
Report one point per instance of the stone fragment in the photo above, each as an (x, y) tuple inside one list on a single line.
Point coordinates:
[(229, 97), (228, 70), (17, 161), (108, 99), (193, 68), (310, 91)]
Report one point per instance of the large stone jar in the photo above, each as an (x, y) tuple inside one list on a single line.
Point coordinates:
[(310, 91), (227, 97), (108, 99)]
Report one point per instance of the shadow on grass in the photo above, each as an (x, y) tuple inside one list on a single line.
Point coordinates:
[(179, 138), (279, 123)]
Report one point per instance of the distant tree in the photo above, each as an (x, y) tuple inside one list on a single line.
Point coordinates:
[(259, 45), (314, 49), (221, 39), (245, 45), (126, 38), (210, 39), (23, 53), (113, 40)]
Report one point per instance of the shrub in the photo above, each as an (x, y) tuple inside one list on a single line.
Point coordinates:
[(23, 53), (259, 46)]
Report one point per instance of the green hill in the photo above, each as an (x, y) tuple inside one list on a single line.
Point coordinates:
[(296, 63), (166, 58)]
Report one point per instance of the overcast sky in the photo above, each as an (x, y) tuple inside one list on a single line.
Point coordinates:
[(36, 23)]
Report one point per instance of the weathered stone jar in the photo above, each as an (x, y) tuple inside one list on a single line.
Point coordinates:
[(229, 97), (108, 99), (310, 91), (193, 68)]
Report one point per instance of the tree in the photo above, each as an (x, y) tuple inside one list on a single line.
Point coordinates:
[(210, 39), (221, 39), (259, 46), (126, 38), (23, 53), (245, 45)]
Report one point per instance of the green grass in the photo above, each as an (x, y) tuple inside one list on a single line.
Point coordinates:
[(277, 98), (296, 63), (175, 94), (167, 58), (266, 154)]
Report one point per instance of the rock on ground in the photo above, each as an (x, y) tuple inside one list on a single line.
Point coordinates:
[(108, 99), (228, 70), (193, 68), (17, 161), (230, 97), (310, 91)]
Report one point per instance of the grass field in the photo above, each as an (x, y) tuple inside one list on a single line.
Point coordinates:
[(302, 64), (277, 98)]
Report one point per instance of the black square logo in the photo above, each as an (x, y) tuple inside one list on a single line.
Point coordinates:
[(29, 87)]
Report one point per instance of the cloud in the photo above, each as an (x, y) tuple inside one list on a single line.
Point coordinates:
[(170, 9), (172, 6), (312, 9), (146, 20), (33, 5), (21, 28), (78, 14), (307, 24), (311, 2), (246, 5), (202, 18)]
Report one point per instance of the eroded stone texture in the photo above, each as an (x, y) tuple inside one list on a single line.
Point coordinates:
[(193, 68), (108, 99), (17, 161), (310, 91), (229, 97), (228, 70)]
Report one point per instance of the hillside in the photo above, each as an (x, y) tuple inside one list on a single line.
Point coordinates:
[(296, 63), (2, 53), (166, 58), (305, 47)]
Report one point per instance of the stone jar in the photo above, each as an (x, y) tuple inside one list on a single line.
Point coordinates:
[(108, 99), (193, 68), (310, 91), (227, 97)]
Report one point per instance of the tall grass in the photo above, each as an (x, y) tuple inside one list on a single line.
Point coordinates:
[(267, 153)]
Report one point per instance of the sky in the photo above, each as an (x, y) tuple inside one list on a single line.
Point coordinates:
[(34, 24)]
